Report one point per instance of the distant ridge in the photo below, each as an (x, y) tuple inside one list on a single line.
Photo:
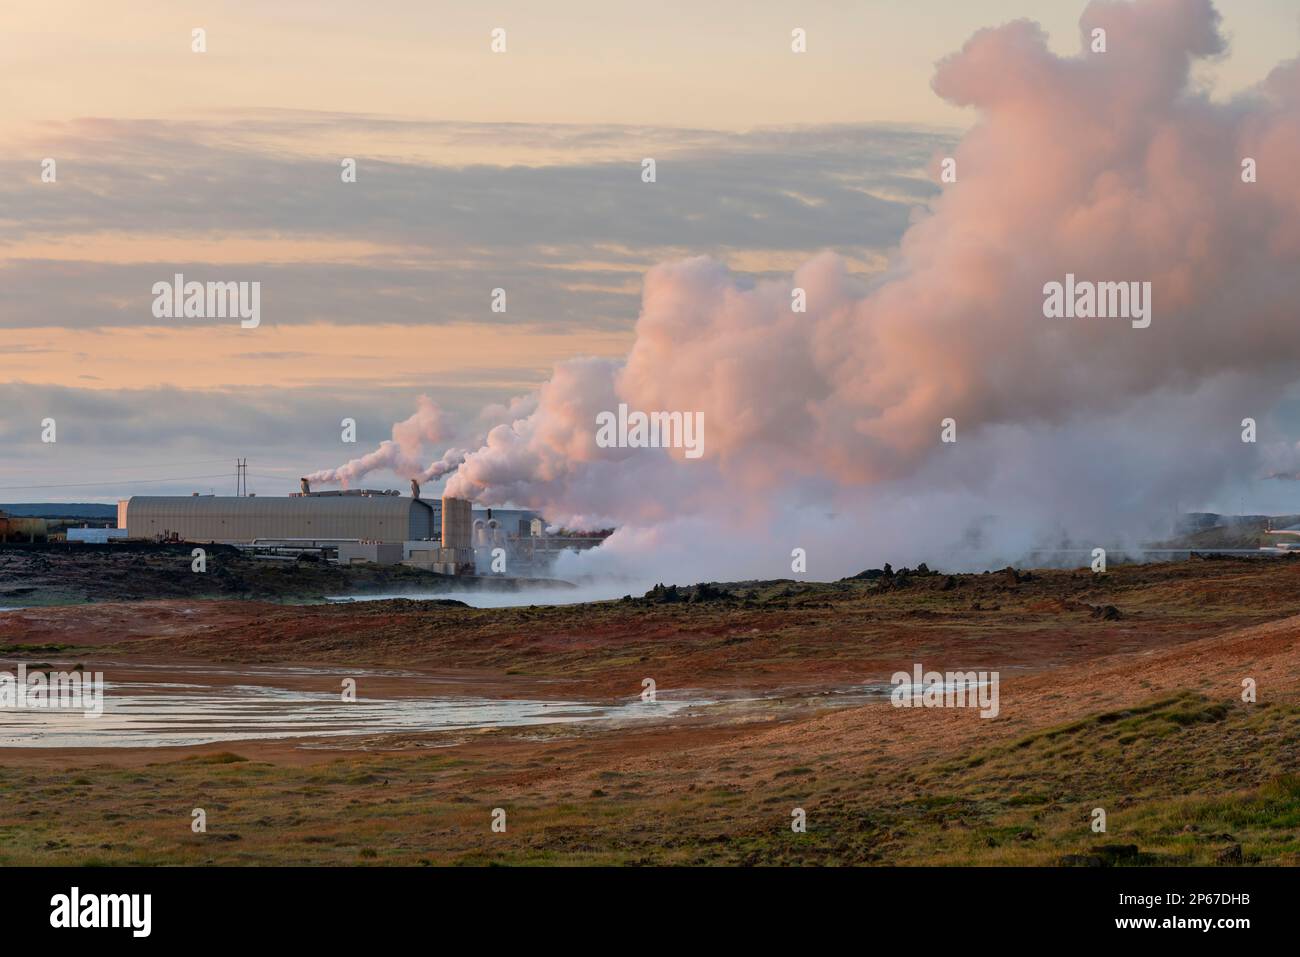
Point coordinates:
[(60, 510)]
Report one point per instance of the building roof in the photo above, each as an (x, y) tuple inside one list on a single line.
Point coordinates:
[(254, 505)]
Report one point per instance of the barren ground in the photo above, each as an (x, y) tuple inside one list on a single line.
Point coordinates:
[(1136, 710)]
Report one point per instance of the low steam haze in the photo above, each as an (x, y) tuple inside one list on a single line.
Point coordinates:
[(822, 428)]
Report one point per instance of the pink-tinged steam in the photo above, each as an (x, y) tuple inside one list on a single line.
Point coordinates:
[(1111, 166), (404, 454)]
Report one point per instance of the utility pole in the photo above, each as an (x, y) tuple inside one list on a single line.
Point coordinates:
[(241, 477)]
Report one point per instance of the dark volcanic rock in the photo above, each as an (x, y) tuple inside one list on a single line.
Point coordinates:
[(1116, 852), (1014, 576), (664, 594), (1229, 855)]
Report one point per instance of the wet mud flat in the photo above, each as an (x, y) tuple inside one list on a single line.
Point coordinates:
[(169, 706)]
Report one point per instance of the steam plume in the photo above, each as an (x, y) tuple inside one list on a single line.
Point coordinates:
[(1110, 166), (404, 454)]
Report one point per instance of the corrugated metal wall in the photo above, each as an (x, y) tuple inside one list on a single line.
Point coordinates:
[(207, 518), (456, 529)]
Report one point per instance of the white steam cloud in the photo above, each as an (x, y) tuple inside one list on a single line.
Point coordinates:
[(824, 427), (404, 454)]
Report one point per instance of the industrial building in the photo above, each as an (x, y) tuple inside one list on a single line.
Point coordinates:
[(456, 523), (448, 536), (1288, 540), (377, 553), (495, 526), (308, 518), (16, 529), (98, 536), (453, 554)]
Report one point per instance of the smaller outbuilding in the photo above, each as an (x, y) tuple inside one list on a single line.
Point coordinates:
[(377, 553), (17, 529), (95, 536)]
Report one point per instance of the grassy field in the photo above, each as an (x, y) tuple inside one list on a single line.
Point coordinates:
[(1183, 781)]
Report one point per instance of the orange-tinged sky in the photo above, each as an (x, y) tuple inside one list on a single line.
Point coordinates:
[(722, 65), (194, 355), (477, 171)]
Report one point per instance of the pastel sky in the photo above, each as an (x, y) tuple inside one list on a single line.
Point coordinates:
[(476, 170)]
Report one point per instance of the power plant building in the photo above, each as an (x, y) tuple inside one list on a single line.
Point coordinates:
[(312, 517), (448, 535)]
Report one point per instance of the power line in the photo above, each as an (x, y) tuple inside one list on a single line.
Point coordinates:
[(138, 467), (182, 478)]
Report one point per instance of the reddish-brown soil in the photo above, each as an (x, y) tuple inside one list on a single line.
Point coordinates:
[(1138, 709)]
